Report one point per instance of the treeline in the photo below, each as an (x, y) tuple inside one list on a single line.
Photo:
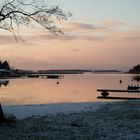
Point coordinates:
[(70, 71), (135, 69), (4, 65)]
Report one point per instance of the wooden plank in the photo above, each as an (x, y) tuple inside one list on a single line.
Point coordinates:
[(112, 90)]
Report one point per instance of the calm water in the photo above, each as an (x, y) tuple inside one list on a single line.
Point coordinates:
[(73, 88)]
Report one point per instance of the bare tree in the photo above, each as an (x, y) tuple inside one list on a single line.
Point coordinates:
[(14, 13)]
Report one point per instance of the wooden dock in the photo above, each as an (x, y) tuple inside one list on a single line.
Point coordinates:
[(118, 98), (105, 93), (115, 90), (45, 76)]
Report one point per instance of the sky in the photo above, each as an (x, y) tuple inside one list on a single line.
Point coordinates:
[(101, 34)]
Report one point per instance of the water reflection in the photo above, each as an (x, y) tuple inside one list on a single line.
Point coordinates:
[(72, 88), (136, 78), (4, 83)]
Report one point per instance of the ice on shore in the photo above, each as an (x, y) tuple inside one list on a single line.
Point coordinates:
[(24, 111)]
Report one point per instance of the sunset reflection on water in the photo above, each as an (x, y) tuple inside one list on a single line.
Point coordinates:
[(72, 88)]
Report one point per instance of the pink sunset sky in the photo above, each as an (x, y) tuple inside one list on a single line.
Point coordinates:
[(99, 35)]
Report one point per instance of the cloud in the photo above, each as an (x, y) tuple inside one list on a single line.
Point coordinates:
[(112, 23), (81, 27), (83, 37), (75, 50), (89, 32), (69, 37), (6, 39), (131, 35), (85, 26), (131, 38), (10, 40), (106, 25), (74, 31)]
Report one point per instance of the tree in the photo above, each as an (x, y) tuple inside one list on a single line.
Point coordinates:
[(14, 13), (4, 65), (135, 69)]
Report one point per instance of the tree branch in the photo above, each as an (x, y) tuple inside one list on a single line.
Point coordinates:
[(17, 12)]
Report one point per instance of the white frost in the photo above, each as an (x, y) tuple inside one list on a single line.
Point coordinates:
[(24, 111)]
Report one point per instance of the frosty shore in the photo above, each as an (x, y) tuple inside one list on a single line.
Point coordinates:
[(25, 111), (83, 121)]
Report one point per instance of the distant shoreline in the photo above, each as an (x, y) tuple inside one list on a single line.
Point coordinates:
[(17, 73)]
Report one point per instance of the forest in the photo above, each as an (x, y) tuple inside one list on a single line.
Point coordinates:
[(4, 65)]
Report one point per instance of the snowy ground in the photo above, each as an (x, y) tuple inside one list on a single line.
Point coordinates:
[(24, 111), (84, 121)]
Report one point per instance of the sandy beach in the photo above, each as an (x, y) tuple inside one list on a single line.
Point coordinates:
[(74, 121)]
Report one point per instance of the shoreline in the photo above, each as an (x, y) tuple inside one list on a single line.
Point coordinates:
[(114, 120), (25, 111)]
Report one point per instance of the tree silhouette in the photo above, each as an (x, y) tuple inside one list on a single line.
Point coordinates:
[(14, 13), (4, 65), (135, 69)]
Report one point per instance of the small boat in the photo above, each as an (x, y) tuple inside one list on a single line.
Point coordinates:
[(130, 89)]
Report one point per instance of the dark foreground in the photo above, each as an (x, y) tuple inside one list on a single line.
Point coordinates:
[(114, 121)]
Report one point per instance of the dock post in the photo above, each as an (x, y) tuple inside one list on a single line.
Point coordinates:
[(104, 93)]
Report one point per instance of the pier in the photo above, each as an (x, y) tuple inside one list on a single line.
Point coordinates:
[(116, 90), (45, 76), (105, 93)]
